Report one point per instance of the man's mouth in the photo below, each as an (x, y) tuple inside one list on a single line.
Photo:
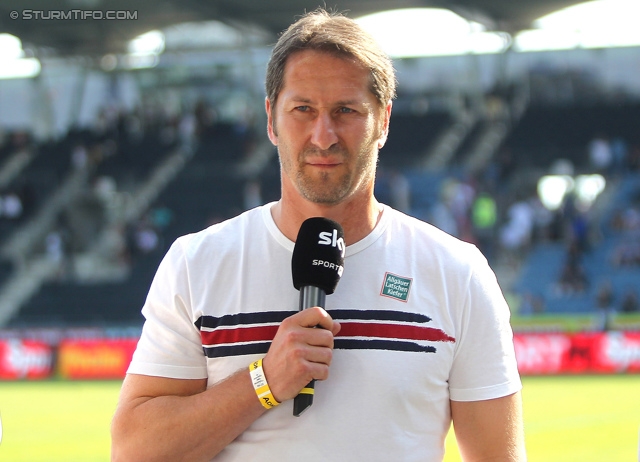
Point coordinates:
[(323, 163)]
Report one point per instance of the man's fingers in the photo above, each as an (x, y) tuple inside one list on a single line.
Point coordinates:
[(314, 317), (300, 352)]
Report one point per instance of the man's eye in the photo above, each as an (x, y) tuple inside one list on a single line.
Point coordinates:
[(345, 110), (302, 108)]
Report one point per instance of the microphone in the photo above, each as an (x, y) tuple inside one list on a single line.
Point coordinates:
[(316, 265)]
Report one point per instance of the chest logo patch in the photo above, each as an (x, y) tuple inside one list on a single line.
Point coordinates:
[(394, 286)]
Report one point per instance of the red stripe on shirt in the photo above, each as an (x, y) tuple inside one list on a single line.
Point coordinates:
[(348, 329), (238, 335), (395, 331)]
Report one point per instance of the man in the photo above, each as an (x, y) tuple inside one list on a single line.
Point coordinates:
[(425, 336)]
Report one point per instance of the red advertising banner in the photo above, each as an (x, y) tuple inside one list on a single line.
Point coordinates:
[(583, 353), (25, 359), (541, 353), (537, 354), (620, 352), (95, 359)]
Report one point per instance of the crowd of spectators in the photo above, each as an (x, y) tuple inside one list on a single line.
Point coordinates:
[(613, 156), (626, 223), (504, 220), (118, 151)]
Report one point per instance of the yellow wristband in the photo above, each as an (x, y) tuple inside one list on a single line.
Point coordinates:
[(261, 386)]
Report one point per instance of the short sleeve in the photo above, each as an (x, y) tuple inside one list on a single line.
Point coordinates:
[(484, 365), (170, 345)]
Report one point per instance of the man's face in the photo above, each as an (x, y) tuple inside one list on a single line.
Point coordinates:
[(328, 128)]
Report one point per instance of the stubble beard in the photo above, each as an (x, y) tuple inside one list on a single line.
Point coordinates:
[(324, 188)]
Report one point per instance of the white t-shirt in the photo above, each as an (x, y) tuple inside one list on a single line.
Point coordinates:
[(423, 321)]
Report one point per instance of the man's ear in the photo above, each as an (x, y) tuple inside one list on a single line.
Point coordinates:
[(271, 130), (384, 131)]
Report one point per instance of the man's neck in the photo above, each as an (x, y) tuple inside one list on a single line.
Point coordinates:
[(357, 217)]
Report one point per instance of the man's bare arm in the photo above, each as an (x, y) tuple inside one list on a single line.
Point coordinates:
[(490, 430), (171, 420)]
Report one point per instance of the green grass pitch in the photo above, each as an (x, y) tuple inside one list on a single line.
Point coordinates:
[(578, 419), (567, 418)]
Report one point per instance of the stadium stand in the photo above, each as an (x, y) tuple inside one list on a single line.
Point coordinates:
[(410, 137), (201, 193), (542, 271), (135, 182), (207, 190), (549, 132)]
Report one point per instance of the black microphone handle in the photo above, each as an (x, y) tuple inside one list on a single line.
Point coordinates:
[(310, 296)]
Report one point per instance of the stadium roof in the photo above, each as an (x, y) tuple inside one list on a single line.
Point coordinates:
[(82, 34)]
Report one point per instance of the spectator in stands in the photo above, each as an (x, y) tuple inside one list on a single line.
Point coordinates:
[(11, 206), (443, 219), (573, 278), (543, 221), (580, 231), (58, 248), (144, 238), (605, 296), (531, 303), (160, 217), (187, 129), (442, 213), (630, 302), (399, 191), (600, 154), (222, 300), (604, 304), (515, 235), (205, 116), (461, 199), (484, 218), (79, 157), (620, 154), (54, 246), (627, 219), (626, 253), (627, 223)]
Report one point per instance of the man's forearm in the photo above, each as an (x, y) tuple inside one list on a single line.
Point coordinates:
[(193, 424)]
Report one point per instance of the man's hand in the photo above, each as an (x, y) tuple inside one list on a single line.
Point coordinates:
[(299, 352)]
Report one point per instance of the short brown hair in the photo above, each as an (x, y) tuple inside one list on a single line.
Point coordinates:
[(333, 33)]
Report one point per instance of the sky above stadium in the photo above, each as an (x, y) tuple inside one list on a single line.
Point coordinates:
[(402, 33), (438, 32)]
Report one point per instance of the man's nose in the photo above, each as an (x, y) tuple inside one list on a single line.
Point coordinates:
[(323, 132)]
